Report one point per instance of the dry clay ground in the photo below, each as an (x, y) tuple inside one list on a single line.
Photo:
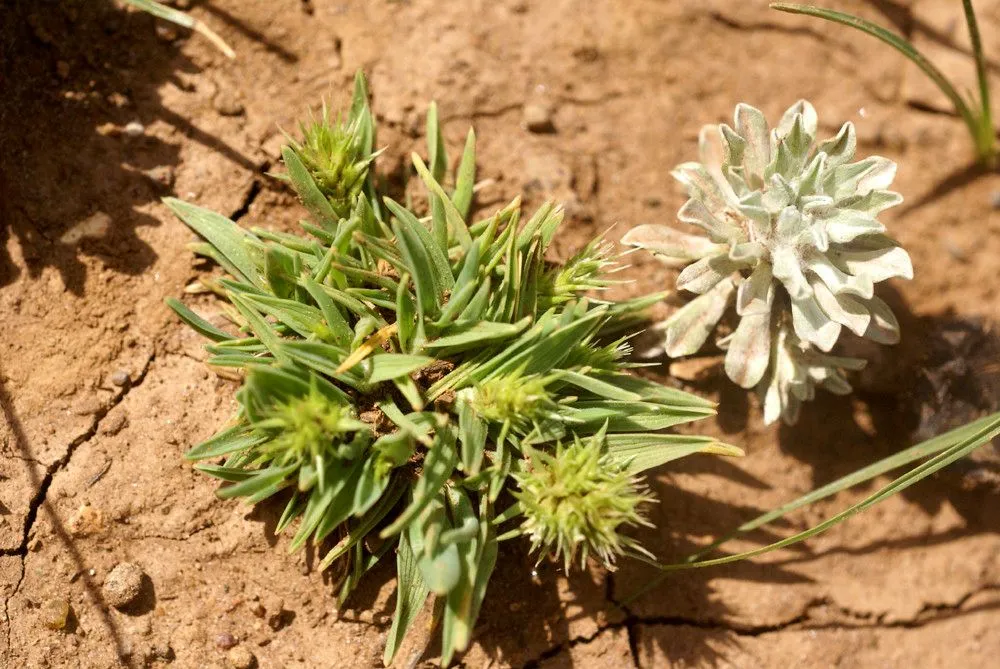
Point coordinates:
[(102, 389)]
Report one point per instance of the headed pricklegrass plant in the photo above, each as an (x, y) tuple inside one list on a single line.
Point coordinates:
[(792, 240), (406, 374)]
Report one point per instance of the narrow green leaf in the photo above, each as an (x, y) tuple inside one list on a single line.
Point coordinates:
[(640, 452), (225, 236), (236, 438), (437, 155), (475, 334), (260, 480), (411, 593), (456, 222), (196, 322), (309, 193), (387, 366), (438, 466), (466, 178), (261, 328)]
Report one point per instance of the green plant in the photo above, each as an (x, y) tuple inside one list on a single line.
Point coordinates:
[(977, 114), (184, 20), (792, 242), (407, 374)]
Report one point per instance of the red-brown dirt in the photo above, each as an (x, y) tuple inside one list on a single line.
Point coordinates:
[(102, 390)]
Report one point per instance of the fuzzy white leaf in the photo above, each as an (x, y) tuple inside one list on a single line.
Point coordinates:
[(703, 185), (688, 328), (808, 115), (837, 280), (884, 328), (752, 127), (879, 264), (749, 350), (785, 267), (719, 229), (703, 275), (672, 246), (840, 149), (847, 225), (844, 309), (756, 292), (812, 325)]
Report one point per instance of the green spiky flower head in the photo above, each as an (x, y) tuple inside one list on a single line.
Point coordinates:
[(576, 501), (336, 153)]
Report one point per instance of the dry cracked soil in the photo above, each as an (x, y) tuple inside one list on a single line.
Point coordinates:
[(103, 111)]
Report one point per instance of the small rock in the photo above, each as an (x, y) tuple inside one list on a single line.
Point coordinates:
[(95, 226), (162, 175), (120, 378), (55, 614), (86, 520), (166, 33), (226, 104), (123, 585), (241, 658), (538, 118), (258, 610), (995, 200), (134, 129), (225, 641), (114, 423)]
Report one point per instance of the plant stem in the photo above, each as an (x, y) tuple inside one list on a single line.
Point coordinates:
[(986, 138), (982, 137)]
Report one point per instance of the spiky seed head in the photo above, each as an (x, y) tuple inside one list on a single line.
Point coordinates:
[(576, 501), (519, 398), (333, 152), (310, 428), (791, 239)]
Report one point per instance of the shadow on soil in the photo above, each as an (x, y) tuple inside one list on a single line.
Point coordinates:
[(75, 73), (945, 373)]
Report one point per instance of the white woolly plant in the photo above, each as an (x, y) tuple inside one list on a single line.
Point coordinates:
[(792, 239)]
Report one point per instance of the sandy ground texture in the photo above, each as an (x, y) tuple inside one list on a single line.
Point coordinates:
[(103, 111)]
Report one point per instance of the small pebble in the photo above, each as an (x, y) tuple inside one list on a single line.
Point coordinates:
[(123, 585), (162, 175), (241, 658), (166, 33), (538, 118), (225, 641), (55, 614), (86, 520), (134, 129), (120, 378)]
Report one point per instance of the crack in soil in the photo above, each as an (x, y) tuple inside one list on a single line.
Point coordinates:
[(39, 499), (928, 614), (255, 190)]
